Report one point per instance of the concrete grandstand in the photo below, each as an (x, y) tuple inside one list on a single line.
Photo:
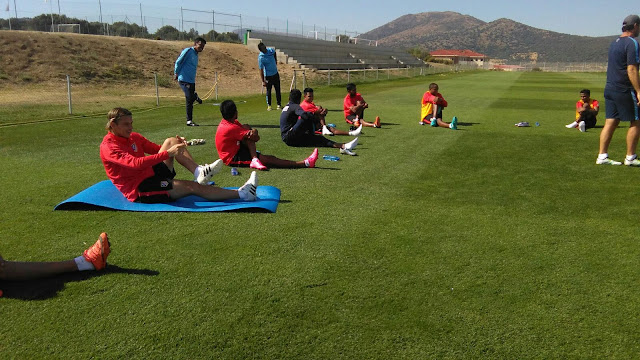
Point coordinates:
[(330, 55)]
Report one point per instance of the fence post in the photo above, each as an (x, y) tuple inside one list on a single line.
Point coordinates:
[(388, 75), (348, 75), (377, 74), (304, 79), (329, 77), (216, 84), (69, 94), (155, 78)]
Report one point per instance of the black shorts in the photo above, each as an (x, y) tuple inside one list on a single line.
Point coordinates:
[(589, 119), (308, 140), (243, 157), (351, 118), (155, 189)]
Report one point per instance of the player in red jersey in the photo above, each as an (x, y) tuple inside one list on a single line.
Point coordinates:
[(354, 106), (150, 179), (236, 144), (320, 113)]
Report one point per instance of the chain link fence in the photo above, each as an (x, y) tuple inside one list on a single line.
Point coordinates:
[(68, 97)]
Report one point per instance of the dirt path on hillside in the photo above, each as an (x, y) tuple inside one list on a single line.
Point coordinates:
[(40, 60)]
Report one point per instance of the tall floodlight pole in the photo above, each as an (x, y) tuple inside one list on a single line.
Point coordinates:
[(15, 9), (141, 19), (100, 7), (58, 8), (51, 7)]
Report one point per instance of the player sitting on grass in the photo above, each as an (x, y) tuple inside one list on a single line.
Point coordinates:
[(354, 106), (320, 115), (94, 258), (297, 128), (236, 144), (150, 179), (432, 105), (586, 112)]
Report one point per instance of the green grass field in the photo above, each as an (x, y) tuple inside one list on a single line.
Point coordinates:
[(490, 241)]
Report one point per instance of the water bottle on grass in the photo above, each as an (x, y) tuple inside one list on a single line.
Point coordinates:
[(330, 157)]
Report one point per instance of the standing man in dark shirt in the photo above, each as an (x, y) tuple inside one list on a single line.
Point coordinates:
[(185, 72), (621, 92)]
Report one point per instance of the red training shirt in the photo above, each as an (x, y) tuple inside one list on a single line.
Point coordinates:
[(308, 106), (349, 102), (228, 138), (125, 162)]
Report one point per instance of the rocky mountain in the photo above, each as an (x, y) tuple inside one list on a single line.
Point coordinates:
[(502, 38)]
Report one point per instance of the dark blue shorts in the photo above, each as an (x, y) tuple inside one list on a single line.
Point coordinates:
[(621, 106)]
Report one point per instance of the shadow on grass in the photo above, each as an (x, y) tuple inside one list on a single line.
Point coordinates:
[(265, 126), (46, 288), (467, 123)]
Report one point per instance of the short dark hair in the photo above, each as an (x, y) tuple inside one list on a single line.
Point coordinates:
[(200, 39), (585, 91), (307, 91), (433, 85), (295, 96), (228, 109), (351, 86)]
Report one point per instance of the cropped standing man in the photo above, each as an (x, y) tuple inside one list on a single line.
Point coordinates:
[(621, 92), (267, 62), (185, 72)]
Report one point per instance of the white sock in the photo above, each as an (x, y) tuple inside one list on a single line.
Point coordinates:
[(572, 125), (196, 172), (603, 156), (349, 145), (631, 157), (83, 264)]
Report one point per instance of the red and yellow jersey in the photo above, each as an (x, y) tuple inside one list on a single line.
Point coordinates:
[(125, 162), (592, 104), (428, 100), (228, 138)]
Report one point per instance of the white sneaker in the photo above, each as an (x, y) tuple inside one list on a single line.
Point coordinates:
[(278, 107), (351, 145), (634, 162), (247, 192), (326, 131), (269, 108), (582, 126), (607, 161), (573, 125), (356, 132), (207, 171), (347, 152)]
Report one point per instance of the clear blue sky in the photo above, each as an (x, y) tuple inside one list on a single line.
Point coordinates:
[(588, 17)]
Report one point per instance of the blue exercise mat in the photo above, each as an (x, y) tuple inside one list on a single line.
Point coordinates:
[(105, 196)]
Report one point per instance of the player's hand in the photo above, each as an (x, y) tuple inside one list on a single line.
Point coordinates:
[(175, 76), (253, 135), (177, 149), (264, 83)]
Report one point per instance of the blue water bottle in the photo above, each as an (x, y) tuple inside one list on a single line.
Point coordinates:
[(234, 171), (330, 157)]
